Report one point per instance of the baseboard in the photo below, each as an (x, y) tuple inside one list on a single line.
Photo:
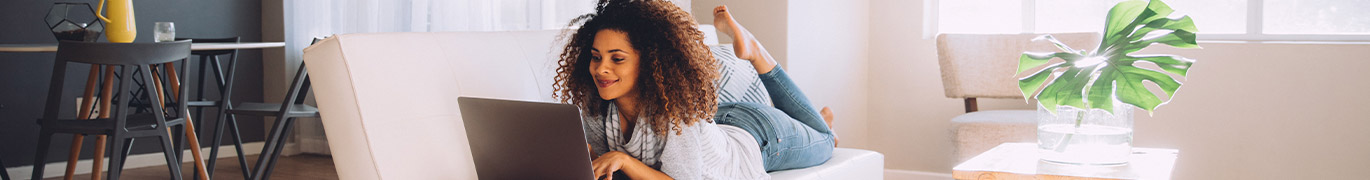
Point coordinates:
[(900, 174), (57, 169)]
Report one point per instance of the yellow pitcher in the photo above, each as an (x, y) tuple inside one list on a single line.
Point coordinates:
[(120, 26)]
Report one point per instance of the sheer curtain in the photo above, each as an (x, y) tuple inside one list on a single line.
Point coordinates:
[(308, 19)]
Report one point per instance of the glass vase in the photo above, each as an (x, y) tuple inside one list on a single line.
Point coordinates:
[(1085, 137), (73, 22)]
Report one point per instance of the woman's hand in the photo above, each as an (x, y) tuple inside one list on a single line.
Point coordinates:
[(611, 162), (615, 161), (590, 149)]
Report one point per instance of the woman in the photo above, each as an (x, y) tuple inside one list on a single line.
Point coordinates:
[(645, 82)]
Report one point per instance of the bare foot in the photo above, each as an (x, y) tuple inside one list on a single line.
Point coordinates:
[(745, 46), (827, 117)]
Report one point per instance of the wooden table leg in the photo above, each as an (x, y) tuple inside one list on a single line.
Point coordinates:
[(84, 113)]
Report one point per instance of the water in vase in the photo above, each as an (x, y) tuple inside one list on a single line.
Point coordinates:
[(1088, 144), (1078, 136)]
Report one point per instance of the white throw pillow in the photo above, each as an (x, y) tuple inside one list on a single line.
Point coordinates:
[(738, 81)]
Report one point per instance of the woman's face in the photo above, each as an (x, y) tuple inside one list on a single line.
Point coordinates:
[(615, 64)]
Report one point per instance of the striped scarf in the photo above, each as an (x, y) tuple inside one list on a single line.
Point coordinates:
[(644, 145)]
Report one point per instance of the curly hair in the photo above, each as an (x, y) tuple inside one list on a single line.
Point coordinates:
[(677, 69)]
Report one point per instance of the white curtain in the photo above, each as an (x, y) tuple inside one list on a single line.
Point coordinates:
[(308, 19)]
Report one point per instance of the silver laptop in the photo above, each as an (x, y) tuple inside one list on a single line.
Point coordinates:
[(525, 140)]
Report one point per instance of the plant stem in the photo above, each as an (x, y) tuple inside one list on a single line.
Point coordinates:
[(1061, 145)]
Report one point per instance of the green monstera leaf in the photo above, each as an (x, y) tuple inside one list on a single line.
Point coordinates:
[(1093, 79)]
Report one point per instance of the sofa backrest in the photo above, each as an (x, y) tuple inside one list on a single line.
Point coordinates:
[(389, 100)]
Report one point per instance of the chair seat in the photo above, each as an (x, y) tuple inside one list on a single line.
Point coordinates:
[(976, 132), (211, 52), (272, 109), (142, 121), (203, 103)]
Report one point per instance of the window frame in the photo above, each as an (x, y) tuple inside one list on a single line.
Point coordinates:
[(1254, 25)]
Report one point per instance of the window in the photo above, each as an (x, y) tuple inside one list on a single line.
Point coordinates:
[(1316, 20), (1351, 17)]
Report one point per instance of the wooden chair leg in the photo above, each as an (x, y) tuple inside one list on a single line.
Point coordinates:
[(99, 157), (108, 92), (87, 101), (74, 155), (195, 148), (192, 139), (102, 140)]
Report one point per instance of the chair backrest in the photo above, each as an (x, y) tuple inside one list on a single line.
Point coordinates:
[(122, 53), (983, 65), (131, 56)]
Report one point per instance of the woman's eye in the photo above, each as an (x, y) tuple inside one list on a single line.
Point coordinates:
[(618, 59)]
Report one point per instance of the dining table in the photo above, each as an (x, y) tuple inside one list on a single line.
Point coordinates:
[(52, 47)]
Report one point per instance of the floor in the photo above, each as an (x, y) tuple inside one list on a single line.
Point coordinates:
[(302, 167)]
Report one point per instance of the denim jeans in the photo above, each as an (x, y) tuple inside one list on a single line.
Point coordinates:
[(791, 135)]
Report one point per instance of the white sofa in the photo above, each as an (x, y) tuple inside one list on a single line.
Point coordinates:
[(388, 100)]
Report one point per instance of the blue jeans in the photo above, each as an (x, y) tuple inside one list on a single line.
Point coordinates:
[(791, 135)]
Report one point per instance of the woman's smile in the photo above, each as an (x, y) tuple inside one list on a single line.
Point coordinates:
[(605, 83)]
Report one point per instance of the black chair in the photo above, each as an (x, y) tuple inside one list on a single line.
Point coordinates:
[(209, 61), (123, 126), (286, 112)]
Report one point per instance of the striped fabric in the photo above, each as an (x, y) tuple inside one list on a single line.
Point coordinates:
[(702, 151), (738, 81)]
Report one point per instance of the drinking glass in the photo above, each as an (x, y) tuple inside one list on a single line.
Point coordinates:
[(165, 32)]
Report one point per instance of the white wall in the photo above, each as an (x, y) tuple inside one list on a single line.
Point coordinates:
[(766, 19), (1247, 110), (823, 45), (829, 49)]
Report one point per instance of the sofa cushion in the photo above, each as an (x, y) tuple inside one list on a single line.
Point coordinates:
[(846, 163)]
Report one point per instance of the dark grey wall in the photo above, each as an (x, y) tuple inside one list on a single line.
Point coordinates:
[(24, 76)]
